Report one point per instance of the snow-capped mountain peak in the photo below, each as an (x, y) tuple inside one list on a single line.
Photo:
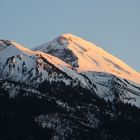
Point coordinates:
[(74, 61), (85, 56), (13, 48)]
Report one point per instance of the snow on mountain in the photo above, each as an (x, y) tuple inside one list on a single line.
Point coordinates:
[(106, 72), (85, 56), (112, 88), (73, 61), (24, 65)]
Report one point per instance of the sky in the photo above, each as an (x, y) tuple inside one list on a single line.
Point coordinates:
[(111, 24)]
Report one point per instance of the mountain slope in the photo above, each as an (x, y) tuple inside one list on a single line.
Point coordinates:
[(85, 56), (23, 65), (63, 114)]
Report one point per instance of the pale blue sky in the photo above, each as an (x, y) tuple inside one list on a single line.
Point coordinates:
[(112, 24)]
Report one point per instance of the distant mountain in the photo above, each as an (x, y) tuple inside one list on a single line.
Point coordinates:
[(67, 89)]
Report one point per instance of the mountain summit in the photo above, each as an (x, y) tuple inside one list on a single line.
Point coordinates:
[(85, 56)]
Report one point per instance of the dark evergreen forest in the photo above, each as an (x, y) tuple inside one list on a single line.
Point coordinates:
[(116, 120)]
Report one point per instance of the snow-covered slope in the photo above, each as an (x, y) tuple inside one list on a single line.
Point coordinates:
[(21, 64), (85, 56)]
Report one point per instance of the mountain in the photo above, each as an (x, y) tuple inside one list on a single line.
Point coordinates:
[(85, 56), (67, 89), (101, 68)]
